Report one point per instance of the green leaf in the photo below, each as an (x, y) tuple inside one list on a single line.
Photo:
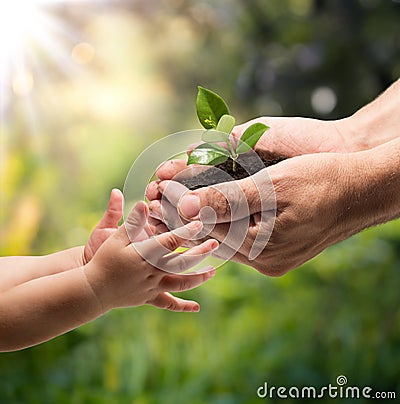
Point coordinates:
[(226, 123), (210, 108), (208, 154), (214, 136), (250, 137)]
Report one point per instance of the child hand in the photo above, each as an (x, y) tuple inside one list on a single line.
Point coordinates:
[(120, 277), (107, 226)]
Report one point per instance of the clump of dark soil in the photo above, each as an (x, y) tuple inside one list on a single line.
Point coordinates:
[(246, 165)]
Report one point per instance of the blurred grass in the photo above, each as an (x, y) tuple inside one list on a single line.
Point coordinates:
[(338, 314)]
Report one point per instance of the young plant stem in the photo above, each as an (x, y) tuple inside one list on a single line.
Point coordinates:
[(231, 150)]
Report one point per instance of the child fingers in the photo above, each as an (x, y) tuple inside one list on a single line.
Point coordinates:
[(134, 223), (180, 262), (179, 283), (167, 213), (113, 213), (155, 248), (155, 210), (143, 235), (169, 302), (157, 227)]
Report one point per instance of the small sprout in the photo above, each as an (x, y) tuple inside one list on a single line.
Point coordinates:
[(226, 123), (214, 115)]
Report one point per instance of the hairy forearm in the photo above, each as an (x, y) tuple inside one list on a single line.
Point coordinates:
[(376, 123), (43, 308), (17, 270), (373, 195)]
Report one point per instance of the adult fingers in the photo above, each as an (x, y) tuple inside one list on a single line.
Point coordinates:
[(178, 170), (229, 201), (180, 262), (167, 301), (172, 191), (249, 238), (170, 168), (152, 193)]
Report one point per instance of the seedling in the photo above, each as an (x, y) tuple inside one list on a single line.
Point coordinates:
[(215, 117)]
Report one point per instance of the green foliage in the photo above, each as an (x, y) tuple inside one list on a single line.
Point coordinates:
[(208, 154), (250, 137), (226, 123), (338, 314), (210, 108), (215, 136)]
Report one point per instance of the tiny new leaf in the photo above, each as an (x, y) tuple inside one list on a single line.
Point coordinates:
[(250, 137), (208, 154), (214, 136), (210, 108), (226, 123)]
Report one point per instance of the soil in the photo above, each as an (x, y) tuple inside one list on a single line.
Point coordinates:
[(246, 165)]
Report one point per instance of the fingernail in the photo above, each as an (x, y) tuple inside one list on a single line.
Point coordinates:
[(214, 245), (211, 273), (196, 309), (161, 186), (189, 206)]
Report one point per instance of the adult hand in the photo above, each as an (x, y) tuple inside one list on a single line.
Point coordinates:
[(320, 199), (373, 125), (286, 137), (292, 136)]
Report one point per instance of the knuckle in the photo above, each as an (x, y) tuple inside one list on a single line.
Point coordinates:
[(133, 220), (220, 198), (184, 285), (171, 242), (170, 306), (181, 264)]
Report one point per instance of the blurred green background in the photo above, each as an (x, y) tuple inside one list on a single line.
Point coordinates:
[(122, 74)]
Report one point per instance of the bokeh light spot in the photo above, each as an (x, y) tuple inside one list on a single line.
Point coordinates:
[(83, 53), (323, 100)]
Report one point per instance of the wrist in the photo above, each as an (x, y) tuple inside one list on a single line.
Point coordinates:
[(362, 131), (375, 124), (373, 183), (97, 286)]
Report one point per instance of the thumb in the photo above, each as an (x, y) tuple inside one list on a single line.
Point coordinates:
[(113, 213), (229, 201)]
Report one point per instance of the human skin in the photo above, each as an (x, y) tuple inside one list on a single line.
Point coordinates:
[(51, 297), (343, 177), (17, 270)]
